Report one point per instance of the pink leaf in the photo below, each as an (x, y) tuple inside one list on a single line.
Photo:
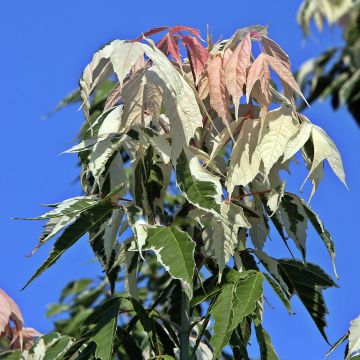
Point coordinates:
[(9, 311), (235, 70), (273, 49), (197, 53), (113, 97), (24, 339), (189, 29), (284, 73), (219, 97), (259, 71), (168, 45), (152, 31)]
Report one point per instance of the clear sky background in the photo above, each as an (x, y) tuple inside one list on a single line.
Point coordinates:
[(44, 47)]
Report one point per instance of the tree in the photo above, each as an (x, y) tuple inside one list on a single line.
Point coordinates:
[(182, 185), (335, 73)]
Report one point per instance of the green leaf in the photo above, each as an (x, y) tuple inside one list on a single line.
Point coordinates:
[(279, 292), (237, 299), (198, 186), (267, 351), (72, 233), (51, 346), (321, 230), (174, 250), (99, 328), (308, 281)]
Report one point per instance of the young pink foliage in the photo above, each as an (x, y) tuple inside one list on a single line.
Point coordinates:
[(219, 97), (259, 71), (24, 339), (235, 70), (152, 31), (284, 73), (189, 29), (9, 311), (169, 45), (197, 53), (12, 324), (273, 49)]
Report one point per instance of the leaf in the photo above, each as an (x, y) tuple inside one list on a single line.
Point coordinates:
[(160, 145), (297, 141), (71, 98), (9, 310), (169, 46), (325, 149), (271, 265), (51, 346), (279, 126), (72, 233), (294, 220), (354, 338), (236, 300), (133, 96), (308, 281), (279, 292), (101, 154), (284, 73), (267, 351), (235, 71), (349, 87), (97, 71), (259, 71), (179, 100), (273, 49), (200, 187), (112, 98), (318, 226), (245, 158), (197, 54), (225, 234), (99, 328), (275, 196), (124, 57), (174, 250), (219, 97), (191, 30)]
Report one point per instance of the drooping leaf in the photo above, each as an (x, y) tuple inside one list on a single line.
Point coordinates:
[(307, 282), (325, 149), (282, 69)]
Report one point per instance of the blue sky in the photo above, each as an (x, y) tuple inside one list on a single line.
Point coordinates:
[(45, 46)]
